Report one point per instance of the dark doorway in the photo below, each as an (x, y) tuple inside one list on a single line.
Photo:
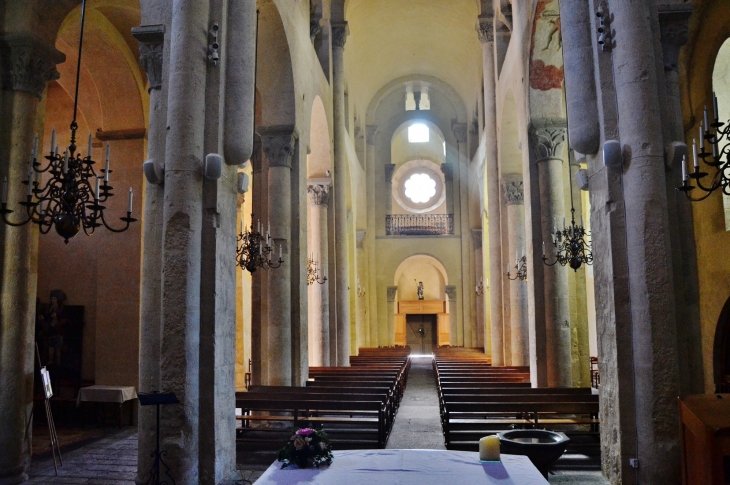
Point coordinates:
[(721, 357), (421, 333)]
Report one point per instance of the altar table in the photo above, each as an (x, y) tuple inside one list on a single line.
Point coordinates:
[(408, 467), (113, 394)]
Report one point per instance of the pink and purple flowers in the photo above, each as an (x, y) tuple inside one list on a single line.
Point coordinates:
[(307, 447)]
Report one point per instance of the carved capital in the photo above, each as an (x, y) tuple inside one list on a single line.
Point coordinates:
[(389, 170), (360, 238), (476, 233), (674, 29), (28, 63), (547, 137), (319, 194), (391, 293), (151, 40), (485, 28), (459, 130), (513, 189), (339, 34), (450, 292), (278, 143)]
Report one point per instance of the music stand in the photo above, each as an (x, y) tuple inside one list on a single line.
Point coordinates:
[(158, 399), (47, 395)]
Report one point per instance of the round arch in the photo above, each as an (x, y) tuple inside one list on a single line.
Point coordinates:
[(425, 268)]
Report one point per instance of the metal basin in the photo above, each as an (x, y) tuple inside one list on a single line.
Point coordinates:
[(542, 447)]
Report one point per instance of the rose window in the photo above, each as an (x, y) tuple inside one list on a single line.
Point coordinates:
[(420, 188)]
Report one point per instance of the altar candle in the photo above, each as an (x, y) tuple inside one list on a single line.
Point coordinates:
[(489, 448), (129, 203), (106, 163)]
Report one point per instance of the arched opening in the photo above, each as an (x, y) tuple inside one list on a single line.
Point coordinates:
[(721, 86)]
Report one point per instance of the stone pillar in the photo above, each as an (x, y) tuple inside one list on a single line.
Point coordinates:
[(389, 171), (371, 280), (392, 290), (647, 244), (181, 239), (319, 301), (515, 200), (450, 291), (448, 171), (467, 331), (548, 139), (279, 144), (152, 45), (485, 30), (361, 325), (342, 280), (27, 65), (481, 324)]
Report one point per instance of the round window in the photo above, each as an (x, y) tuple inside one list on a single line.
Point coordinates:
[(418, 186)]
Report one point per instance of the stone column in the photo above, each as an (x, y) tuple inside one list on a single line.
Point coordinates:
[(181, 239), (319, 301), (389, 171), (548, 139), (485, 30), (27, 65), (467, 334), (450, 291), (392, 290), (342, 280), (515, 200), (371, 280), (448, 171), (361, 325), (152, 45), (278, 147), (480, 321), (647, 244)]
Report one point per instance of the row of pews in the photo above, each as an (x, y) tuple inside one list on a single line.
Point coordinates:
[(476, 399), (354, 405)]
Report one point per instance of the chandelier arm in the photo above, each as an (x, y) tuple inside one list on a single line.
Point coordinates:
[(128, 220)]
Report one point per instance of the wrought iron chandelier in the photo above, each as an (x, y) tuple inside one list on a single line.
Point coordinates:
[(254, 249), (712, 134), (521, 267), (72, 196), (313, 272), (480, 287), (360, 291)]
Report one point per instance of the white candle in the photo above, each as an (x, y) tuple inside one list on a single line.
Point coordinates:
[(489, 448), (714, 105), (694, 155), (89, 148), (106, 163), (96, 194), (707, 123), (53, 140), (684, 169), (279, 251), (543, 249), (129, 203), (702, 137), (5, 190), (65, 161)]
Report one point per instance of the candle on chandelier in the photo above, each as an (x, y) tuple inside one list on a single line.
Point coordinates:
[(543, 249), (53, 140), (89, 148), (702, 137), (106, 163), (129, 203), (279, 252), (96, 194), (65, 161), (714, 105), (694, 155), (707, 124), (684, 168)]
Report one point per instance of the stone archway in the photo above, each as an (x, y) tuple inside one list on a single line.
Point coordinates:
[(721, 351)]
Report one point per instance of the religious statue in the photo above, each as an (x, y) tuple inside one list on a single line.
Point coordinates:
[(420, 290)]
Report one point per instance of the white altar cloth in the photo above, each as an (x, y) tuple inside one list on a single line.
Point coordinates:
[(408, 467)]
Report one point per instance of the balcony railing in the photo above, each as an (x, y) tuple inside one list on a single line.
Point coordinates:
[(419, 224)]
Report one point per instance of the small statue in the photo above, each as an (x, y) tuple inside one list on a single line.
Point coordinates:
[(420, 290)]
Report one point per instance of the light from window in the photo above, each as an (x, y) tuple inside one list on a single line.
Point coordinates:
[(418, 133), (420, 188)]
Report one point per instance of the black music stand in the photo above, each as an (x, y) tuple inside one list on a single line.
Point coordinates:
[(158, 399)]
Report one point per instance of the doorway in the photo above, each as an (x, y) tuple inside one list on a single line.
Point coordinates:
[(421, 333)]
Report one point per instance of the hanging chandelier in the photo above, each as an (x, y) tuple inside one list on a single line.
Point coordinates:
[(360, 290), (480, 287), (72, 196), (521, 267), (313, 272), (712, 156), (254, 249)]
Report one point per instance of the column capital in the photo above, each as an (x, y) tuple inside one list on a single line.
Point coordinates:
[(319, 191), (360, 238), (278, 144), (547, 137), (389, 170), (459, 130), (151, 39), (485, 28), (476, 233), (674, 30), (448, 170), (340, 31), (450, 292), (28, 63), (391, 293), (513, 189)]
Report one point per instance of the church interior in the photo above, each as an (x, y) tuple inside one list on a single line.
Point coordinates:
[(219, 212)]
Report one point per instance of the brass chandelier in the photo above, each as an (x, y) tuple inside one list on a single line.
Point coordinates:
[(72, 196)]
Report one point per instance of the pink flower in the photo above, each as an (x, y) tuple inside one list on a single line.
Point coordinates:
[(306, 431)]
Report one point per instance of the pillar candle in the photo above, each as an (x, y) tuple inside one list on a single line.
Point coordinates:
[(489, 448), (106, 163), (129, 205)]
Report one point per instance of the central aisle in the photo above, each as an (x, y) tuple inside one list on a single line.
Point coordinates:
[(417, 424)]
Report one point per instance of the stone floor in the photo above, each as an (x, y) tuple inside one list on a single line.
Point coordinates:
[(112, 459)]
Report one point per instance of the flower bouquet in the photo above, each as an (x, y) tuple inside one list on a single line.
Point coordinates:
[(307, 447)]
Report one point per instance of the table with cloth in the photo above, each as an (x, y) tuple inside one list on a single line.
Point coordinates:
[(408, 467), (112, 394)]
